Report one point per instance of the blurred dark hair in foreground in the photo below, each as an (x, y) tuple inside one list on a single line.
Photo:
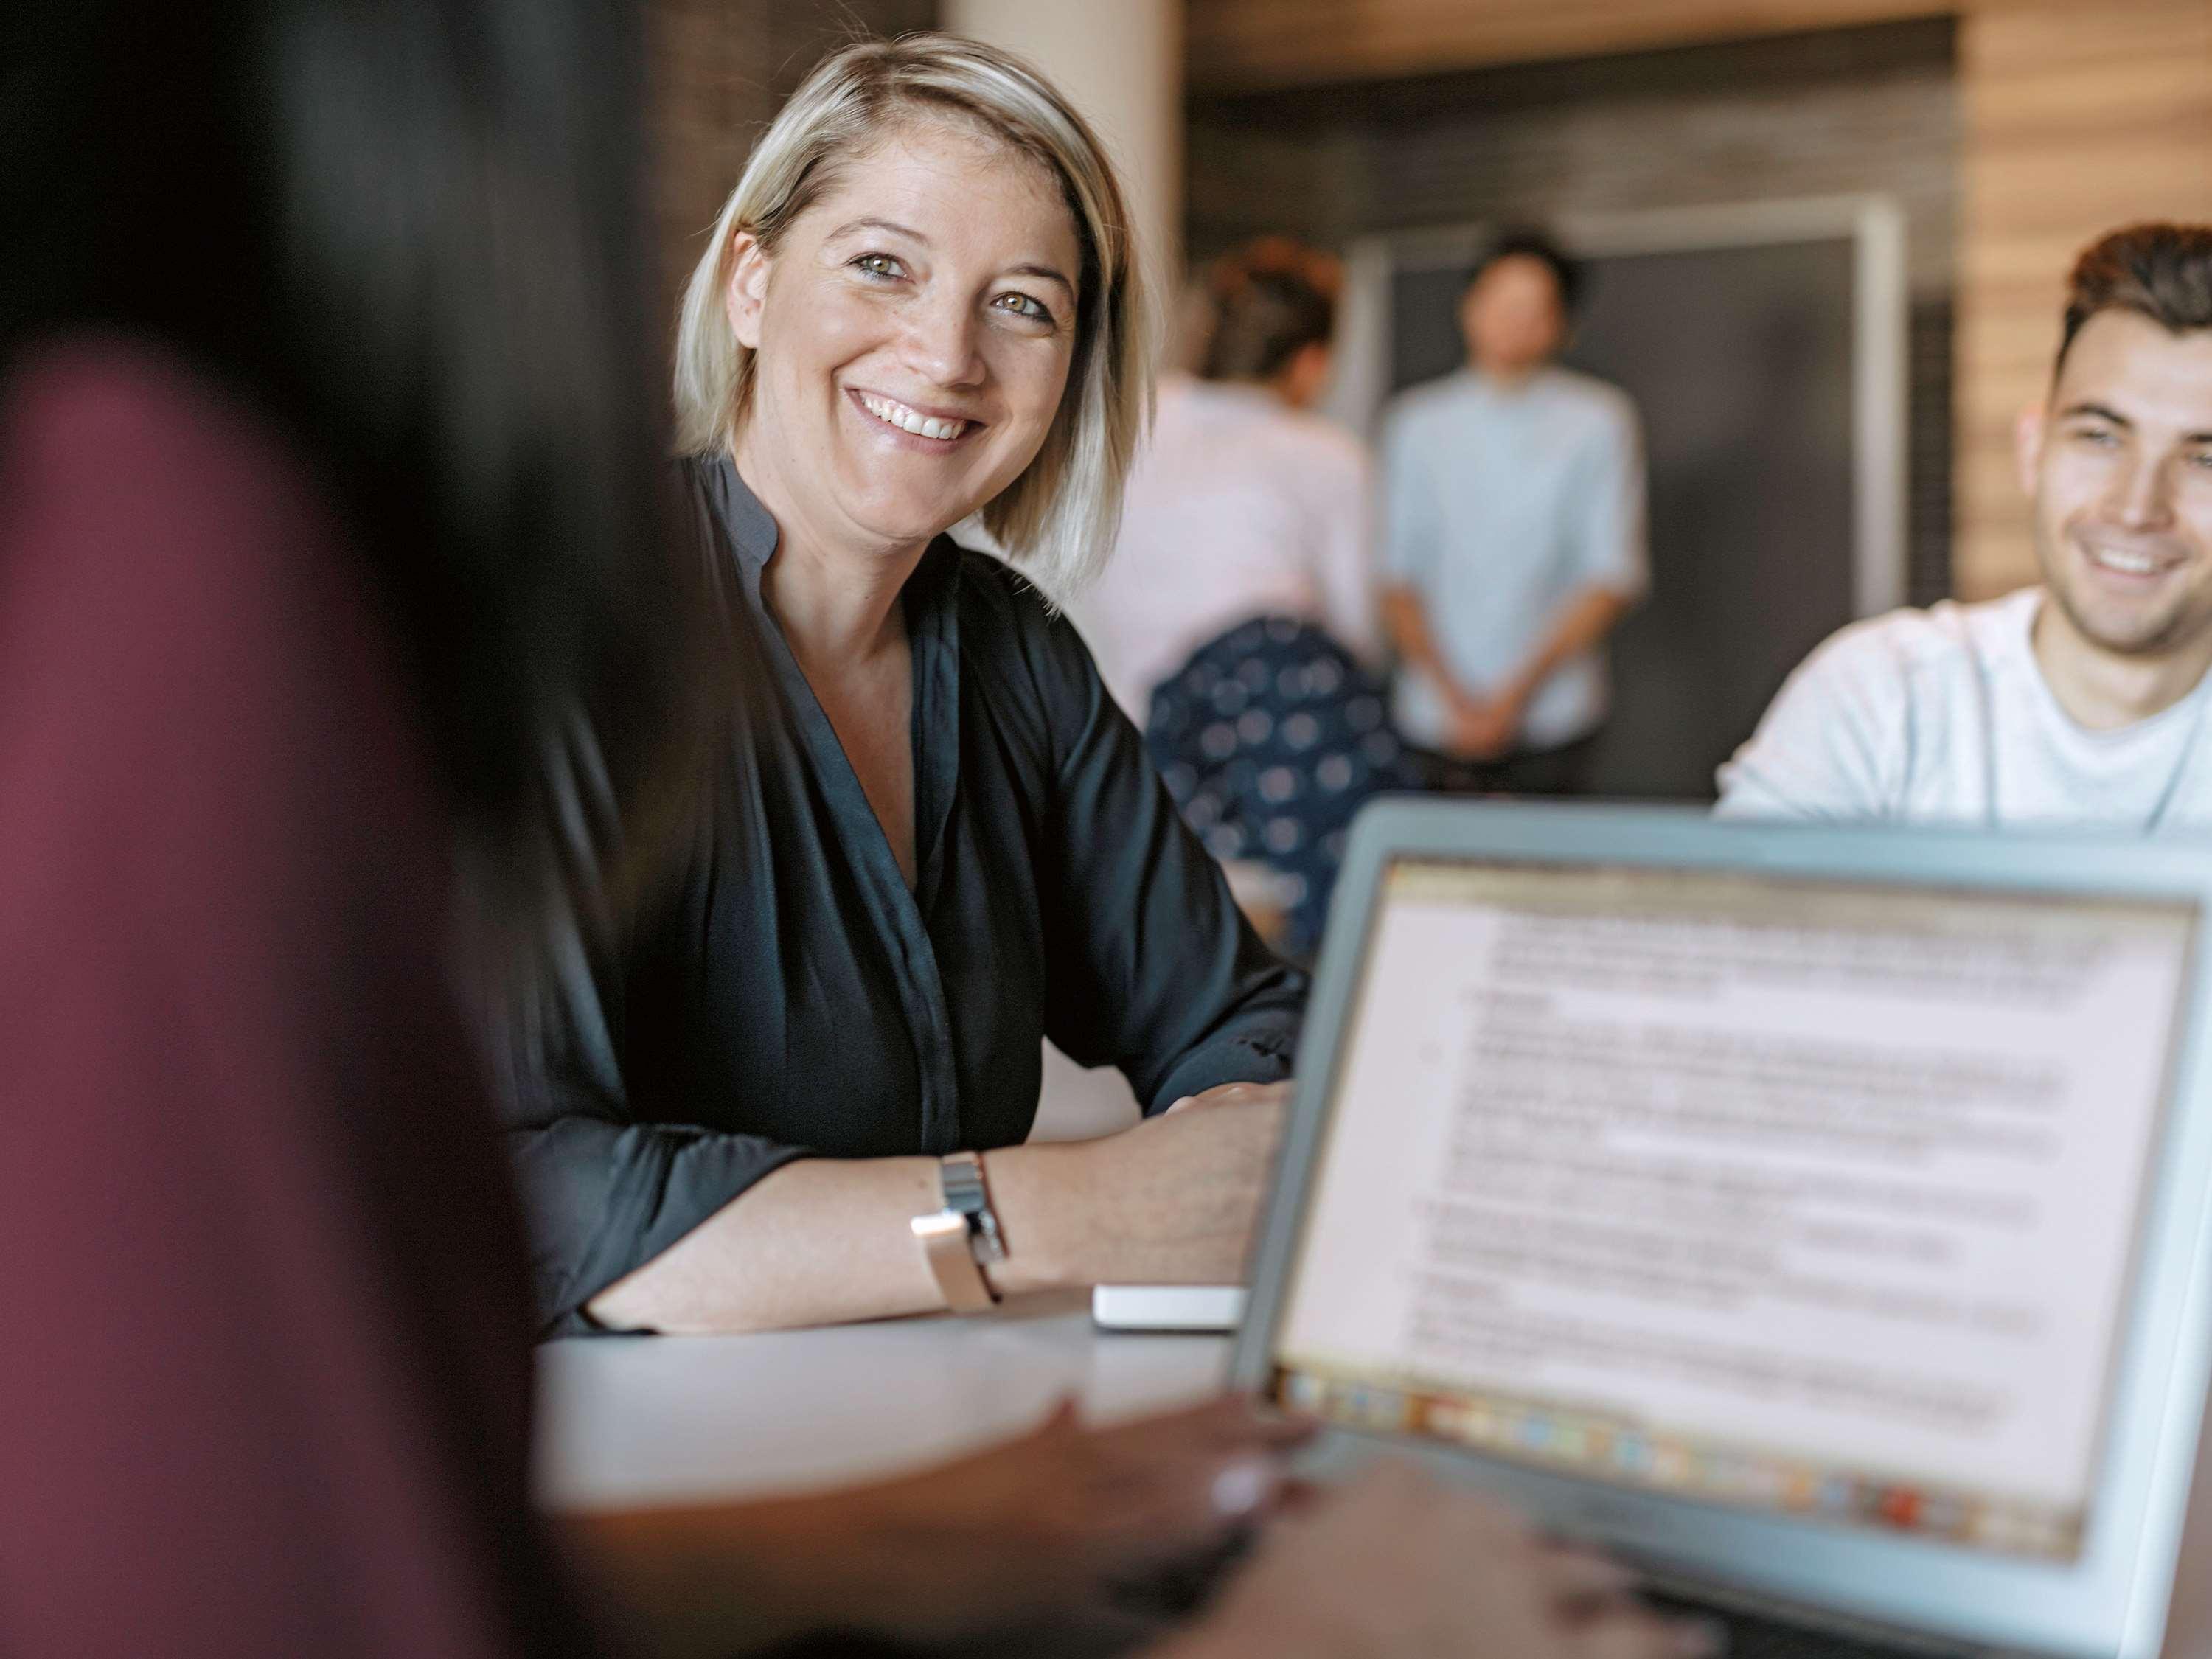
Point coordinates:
[(411, 230), (2162, 272)]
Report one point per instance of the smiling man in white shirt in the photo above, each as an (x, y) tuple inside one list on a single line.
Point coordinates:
[(2084, 699)]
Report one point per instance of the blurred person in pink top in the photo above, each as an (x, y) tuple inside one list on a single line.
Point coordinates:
[(1245, 502), (1237, 621)]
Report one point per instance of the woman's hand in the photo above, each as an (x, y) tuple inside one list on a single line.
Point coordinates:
[(1398, 1565), (1172, 1201), (1047, 1523), (1041, 1527)]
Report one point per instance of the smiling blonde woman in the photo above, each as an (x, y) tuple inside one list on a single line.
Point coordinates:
[(1062, 512), (935, 839)]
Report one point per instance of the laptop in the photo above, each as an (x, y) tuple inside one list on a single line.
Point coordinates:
[(1816, 1217)]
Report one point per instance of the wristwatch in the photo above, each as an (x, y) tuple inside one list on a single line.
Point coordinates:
[(958, 1239)]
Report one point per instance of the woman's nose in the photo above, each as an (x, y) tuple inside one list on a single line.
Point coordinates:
[(941, 342)]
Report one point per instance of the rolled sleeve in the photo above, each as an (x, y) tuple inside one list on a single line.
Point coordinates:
[(1154, 967), (604, 1195), (604, 1192), (1610, 538), (1251, 1055)]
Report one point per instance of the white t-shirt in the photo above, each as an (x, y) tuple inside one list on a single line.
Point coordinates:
[(1943, 716), (1239, 506)]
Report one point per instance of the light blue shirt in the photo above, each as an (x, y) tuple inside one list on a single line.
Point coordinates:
[(1502, 504)]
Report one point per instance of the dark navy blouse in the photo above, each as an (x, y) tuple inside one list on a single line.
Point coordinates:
[(789, 996)]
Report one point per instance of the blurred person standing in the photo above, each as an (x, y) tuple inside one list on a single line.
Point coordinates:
[(1243, 502), (1515, 507), (2084, 698), (310, 529), (1236, 621)]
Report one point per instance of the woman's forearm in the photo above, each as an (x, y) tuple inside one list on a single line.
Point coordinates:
[(825, 1240)]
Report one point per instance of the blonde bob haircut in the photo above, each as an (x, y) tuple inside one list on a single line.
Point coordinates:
[(1058, 518)]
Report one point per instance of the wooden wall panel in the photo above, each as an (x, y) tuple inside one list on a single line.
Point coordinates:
[(1236, 45), (720, 70), (1870, 111), (2076, 117)]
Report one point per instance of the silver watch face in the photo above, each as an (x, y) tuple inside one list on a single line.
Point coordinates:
[(961, 1176), (963, 1182)]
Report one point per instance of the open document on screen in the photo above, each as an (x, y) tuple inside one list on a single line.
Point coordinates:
[(1817, 1197)]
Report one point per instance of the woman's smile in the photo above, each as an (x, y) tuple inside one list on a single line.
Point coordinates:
[(934, 429)]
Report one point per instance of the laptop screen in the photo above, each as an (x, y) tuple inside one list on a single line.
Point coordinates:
[(1815, 1197)]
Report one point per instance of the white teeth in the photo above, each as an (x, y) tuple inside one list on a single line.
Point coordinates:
[(910, 420), (2128, 564)]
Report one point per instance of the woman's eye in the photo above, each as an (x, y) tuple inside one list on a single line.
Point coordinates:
[(877, 265), (1022, 306)]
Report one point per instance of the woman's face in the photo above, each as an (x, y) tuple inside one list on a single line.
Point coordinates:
[(914, 331)]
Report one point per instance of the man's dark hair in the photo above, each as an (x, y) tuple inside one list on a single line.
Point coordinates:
[(1272, 299), (412, 232), (2158, 271), (1526, 243)]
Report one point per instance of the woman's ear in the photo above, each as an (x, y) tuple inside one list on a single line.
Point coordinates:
[(746, 291)]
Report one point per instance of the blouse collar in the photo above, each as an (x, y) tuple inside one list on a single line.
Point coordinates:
[(752, 535), (750, 529)]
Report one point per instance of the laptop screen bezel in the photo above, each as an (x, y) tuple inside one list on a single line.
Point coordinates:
[(2113, 1598)]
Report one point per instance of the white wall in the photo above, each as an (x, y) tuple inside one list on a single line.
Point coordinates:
[(1120, 62)]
